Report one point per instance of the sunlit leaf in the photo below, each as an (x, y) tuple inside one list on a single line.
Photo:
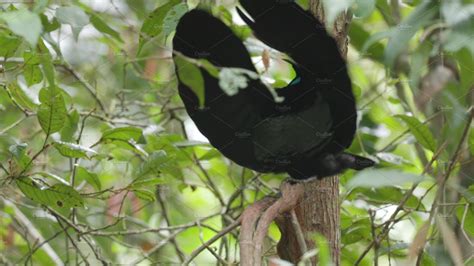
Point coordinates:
[(31, 58), (421, 132), (172, 18), (191, 76), (363, 8), (49, 26), (387, 195), (324, 250), (144, 194), (25, 24), (154, 163), (154, 23), (146, 183), (52, 110), (40, 6), (73, 16), (59, 196), (20, 157), (91, 178), (9, 43), (101, 26), (70, 126), (401, 35), (33, 74), (124, 134), (47, 63), (21, 97), (72, 150), (382, 178), (53, 177), (465, 60), (471, 141)]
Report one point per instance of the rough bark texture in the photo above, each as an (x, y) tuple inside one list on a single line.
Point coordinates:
[(257, 218), (318, 211)]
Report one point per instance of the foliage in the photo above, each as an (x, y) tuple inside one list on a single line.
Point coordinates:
[(100, 163)]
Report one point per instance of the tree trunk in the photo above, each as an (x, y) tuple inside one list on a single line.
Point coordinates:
[(318, 211)]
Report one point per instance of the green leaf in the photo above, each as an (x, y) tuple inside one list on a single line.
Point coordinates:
[(450, 12), (209, 67), (465, 59), (191, 76), (73, 16), (392, 158), (466, 216), (382, 178), (59, 196), (363, 8), (20, 156), (471, 141), (25, 24), (419, 60), (124, 134), (33, 74), (154, 163), (213, 153), (101, 26), (387, 195), (52, 111), (70, 127), (468, 194), (53, 177), (172, 18), (31, 58), (154, 23), (49, 26), (146, 183), (144, 194), (40, 6), (355, 232), (9, 43), (401, 35), (91, 178), (21, 97), (72, 150), (324, 252), (46, 62), (421, 132)]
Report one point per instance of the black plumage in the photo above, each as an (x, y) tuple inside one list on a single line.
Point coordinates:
[(306, 134)]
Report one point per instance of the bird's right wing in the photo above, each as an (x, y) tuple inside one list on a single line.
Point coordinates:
[(285, 26)]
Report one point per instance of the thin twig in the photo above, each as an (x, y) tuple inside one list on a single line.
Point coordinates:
[(299, 232), (84, 83), (213, 239), (16, 123)]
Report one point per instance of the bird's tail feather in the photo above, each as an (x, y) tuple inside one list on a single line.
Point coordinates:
[(355, 162)]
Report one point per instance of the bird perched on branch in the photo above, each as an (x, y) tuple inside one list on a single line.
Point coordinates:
[(306, 132)]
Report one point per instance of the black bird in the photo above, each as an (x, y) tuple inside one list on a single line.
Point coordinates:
[(304, 135)]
